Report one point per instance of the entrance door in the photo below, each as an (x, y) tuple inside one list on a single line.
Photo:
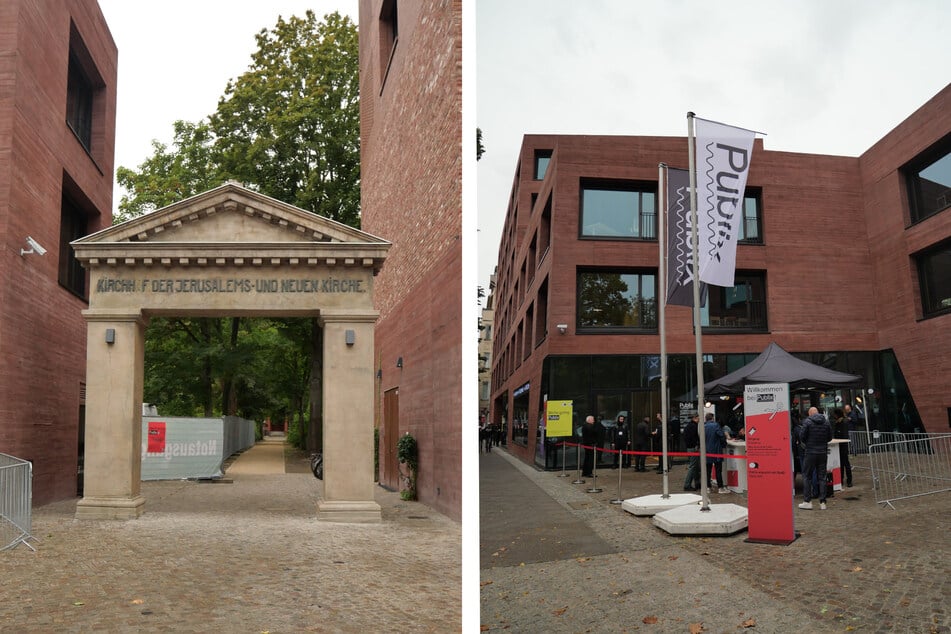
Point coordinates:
[(391, 435)]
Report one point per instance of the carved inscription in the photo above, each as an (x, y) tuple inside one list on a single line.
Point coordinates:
[(230, 285)]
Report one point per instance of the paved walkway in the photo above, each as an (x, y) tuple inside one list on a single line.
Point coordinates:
[(855, 567), (243, 555)]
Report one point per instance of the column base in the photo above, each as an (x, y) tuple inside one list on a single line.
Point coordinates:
[(351, 512), (108, 508)]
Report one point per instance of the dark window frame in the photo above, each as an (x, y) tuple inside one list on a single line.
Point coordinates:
[(917, 207), (756, 195), (931, 304), (541, 155), (733, 322), (617, 185), (389, 38), (583, 326)]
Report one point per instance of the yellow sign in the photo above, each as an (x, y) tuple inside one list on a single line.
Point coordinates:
[(558, 419)]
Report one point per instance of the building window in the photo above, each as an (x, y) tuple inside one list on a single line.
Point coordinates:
[(934, 279), (750, 228), (609, 300), (929, 181), (73, 225), (542, 159), (84, 86), (740, 307), (618, 210), (389, 35)]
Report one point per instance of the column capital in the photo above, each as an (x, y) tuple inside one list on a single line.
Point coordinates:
[(361, 317), (92, 314)]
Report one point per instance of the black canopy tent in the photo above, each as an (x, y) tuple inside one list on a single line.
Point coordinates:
[(775, 365)]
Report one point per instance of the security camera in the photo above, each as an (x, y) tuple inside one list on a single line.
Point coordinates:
[(562, 328), (35, 247)]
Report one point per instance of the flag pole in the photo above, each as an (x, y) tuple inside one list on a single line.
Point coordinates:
[(661, 316), (704, 493)]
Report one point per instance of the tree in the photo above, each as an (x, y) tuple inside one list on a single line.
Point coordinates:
[(290, 125), (289, 128), (169, 175)]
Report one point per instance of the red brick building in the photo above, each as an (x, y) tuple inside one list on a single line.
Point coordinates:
[(57, 139), (411, 195), (843, 261)]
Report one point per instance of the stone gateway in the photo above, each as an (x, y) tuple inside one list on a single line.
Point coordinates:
[(229, 251)]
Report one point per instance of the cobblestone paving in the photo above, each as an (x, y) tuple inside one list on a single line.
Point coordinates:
[(855, 567), (245, 556)]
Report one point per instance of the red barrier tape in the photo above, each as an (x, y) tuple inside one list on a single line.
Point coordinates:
[(652, 453)]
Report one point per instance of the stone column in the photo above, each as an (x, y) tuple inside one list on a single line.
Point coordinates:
[(348, 419), (113, 448)]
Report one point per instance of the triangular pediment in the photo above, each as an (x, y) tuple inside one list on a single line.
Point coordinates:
[(231, 222)]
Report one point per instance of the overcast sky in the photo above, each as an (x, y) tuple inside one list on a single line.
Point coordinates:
[(176, 57), (816, 76)]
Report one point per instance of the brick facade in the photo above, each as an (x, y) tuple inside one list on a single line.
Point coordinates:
[(837, 251), (42, 332), (411, 195)]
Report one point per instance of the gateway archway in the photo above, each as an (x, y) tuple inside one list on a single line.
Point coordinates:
[(229, 251)]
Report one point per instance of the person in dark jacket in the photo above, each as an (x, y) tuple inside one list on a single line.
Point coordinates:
[(840, 429), (622, 442), (691, 437), (642, 434), (715, 442), (816, 434), (589, 438)]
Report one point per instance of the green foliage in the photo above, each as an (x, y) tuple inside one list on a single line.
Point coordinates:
[(295, 436), (291, 123), (169, 175), (288, 127), (407, 453), (480, 147)]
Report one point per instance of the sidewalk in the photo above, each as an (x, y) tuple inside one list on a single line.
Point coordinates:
[(855, 567), (242, 555)]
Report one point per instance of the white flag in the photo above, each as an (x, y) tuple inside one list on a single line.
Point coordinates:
[(722, 163)]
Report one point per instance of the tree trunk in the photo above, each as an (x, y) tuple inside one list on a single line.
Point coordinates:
[(315, 427)]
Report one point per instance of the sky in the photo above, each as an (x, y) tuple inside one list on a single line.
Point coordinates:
[(815, 76), (176, 57)]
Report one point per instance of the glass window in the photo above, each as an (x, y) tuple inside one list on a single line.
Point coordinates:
[(750, 227), (73, 225), (611, 299), (929, 182), (740, 307), (520, 415), (542, 159), (934, 278), (79, 100), (625, 210)]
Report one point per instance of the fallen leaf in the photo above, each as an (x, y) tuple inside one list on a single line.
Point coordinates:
[(78, 603), (649, 620), (137, 601), (484, 584), (581, 560), (750, 622), (673, 558), (696, 628), (484, 628), (856, 569), (560, 611)]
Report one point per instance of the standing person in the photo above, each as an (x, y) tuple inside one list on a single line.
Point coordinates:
[(589, 438), (715, 441), (795, 439), (622, 442), (840, 429), (816, 434), (852, 419), (486, 437), (657, 437), (691, 437), (642, 434)]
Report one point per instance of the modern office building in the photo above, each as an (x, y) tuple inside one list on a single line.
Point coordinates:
[(843, 261), (486, 327), (411, 194), (57, 139)]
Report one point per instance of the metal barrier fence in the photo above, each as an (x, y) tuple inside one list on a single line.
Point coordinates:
[(910, 468), (16, 502), (861, 440)]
